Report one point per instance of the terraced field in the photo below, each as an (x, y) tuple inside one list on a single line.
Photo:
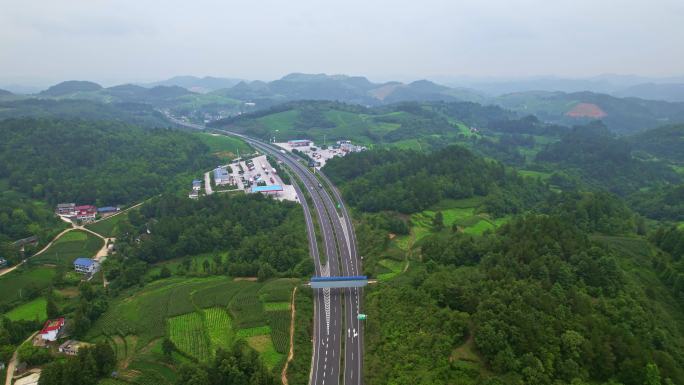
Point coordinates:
[(201, 315), (189, 333)]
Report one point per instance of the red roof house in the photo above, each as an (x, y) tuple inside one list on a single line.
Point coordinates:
[(51, 329), (85, 212)]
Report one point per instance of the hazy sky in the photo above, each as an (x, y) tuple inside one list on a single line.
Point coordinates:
[(139, 40)]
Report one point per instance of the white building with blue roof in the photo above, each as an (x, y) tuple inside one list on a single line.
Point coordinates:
[(86, 265)]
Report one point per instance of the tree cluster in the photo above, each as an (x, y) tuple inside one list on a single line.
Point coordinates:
[(408, 181), (258, 233), (240, 365), (103, 163), (87, 368)]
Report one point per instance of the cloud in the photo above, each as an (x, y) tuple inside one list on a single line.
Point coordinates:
[(96, 39)]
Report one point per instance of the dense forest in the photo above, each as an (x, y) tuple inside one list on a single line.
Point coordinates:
[(408, 181), (541, 301), (605, 161), (104, 163), (262, 237), (127, 112)]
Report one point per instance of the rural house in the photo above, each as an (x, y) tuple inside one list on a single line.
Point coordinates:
[(70, 347), (68, 209), (86, 265), (86, 213), (52, 329)]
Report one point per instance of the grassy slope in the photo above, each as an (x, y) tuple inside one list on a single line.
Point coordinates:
[(29, 311), (106, 226), (70, 246), (16, 285), (224, 147)]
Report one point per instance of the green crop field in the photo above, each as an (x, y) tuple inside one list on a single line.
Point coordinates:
[(255, 331), (277, 290), (17, 285), (535, 174), (218, 327), (276, 306), (29, 311), (190, 336), (279, 322), (392, 267), (264, 346), (106, 226), (246, 308), (200, 314), (70, 246), (479, 227), (461, 213), (173, 264), (225, 147)]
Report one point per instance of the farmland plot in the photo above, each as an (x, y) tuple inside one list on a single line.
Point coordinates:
[(188, 333)]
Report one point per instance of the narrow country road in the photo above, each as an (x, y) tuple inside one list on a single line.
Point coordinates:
[(207, 183), (13, 363), (290, 353)]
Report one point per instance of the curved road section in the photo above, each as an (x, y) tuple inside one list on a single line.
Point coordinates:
[(338, 334)]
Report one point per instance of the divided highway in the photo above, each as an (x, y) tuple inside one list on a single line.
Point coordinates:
[(338, 334)]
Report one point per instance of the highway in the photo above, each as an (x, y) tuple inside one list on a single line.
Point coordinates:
[(338, 334)]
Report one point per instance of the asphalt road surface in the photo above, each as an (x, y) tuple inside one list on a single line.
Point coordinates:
[(337, 331)]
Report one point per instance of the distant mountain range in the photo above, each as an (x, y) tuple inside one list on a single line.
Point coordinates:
[(196, 84), (667, 89), (348, 89), (621, 114)]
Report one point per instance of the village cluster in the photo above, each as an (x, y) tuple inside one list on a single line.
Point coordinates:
[(256, 174), (84, 213)]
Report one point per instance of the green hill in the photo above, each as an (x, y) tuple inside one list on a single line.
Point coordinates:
[(71, 86), (621, 115), (666, 143)]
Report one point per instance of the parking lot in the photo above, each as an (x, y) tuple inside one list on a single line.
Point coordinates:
[(248, 173), (315, 152)]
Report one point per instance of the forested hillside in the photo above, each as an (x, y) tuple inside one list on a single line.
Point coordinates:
[(94, 162), (605, 161), (540, 301), (130, 112), (666, 143), (408, 181), (260, 236)]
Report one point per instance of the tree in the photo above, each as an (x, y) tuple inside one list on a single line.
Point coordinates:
[(265, 272), (164, 272), (168, 347), (652, 375), (51, 307), (105, 358), (438, 221)]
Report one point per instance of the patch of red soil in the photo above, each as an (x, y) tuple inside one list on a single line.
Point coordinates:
[(586, 110)]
